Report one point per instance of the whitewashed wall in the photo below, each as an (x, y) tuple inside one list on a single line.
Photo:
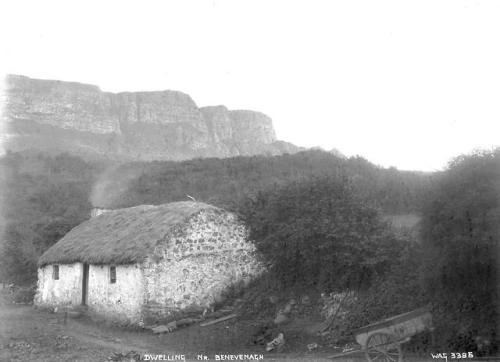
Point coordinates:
[(65, 291), (121, 300), (190, 270)]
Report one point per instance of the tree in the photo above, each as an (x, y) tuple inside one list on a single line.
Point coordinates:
[(44, 197), (318, 234), (461, 236)]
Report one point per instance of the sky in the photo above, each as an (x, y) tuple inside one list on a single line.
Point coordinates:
[(408, 84)]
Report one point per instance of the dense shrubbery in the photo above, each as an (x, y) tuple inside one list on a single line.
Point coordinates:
[(43, 198), (228, 182), (314, 218), (318, 234), (398, 291), (454, 265), (461, 237)]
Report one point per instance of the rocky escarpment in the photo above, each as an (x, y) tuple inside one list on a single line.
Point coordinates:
[(162, 125)]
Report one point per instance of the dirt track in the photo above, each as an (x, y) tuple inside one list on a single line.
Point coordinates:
[(27, 334), (30, 335)]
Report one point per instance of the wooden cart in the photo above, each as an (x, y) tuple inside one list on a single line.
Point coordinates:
[(381, 341)]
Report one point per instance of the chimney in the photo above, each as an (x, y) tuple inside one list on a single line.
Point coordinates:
[(97, 211)]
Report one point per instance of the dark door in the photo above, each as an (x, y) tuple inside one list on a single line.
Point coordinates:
[(85, 283)]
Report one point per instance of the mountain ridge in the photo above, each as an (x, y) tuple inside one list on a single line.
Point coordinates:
[(78, 118)]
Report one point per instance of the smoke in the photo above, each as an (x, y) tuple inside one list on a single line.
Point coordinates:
[(111, 188)]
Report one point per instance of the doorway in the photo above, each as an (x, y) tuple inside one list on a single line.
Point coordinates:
[(85, 283)]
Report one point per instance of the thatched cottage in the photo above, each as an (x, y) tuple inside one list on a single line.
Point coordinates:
[(148, 262)]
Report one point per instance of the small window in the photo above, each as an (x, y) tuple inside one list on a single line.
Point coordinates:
[(55, 272), (112, 274)]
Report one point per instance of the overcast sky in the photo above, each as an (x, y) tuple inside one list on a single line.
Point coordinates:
[(405, 84)]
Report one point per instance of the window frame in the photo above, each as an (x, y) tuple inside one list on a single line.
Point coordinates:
[(55, 272)]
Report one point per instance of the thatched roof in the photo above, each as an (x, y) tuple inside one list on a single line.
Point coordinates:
[(121, 236)]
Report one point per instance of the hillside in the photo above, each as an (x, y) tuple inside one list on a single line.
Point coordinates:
[(80, 119), (45, 196), (228, 182)]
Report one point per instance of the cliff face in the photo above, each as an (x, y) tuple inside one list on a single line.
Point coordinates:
[(58, 116)]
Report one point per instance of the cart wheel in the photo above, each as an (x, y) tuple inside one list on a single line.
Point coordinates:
[(382, 347)]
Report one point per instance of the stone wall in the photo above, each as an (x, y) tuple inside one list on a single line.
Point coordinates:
[(119, 301), (192, 268), (196, 264), (65, 291)]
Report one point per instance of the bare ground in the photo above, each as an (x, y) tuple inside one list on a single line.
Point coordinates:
[(27, 334)]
